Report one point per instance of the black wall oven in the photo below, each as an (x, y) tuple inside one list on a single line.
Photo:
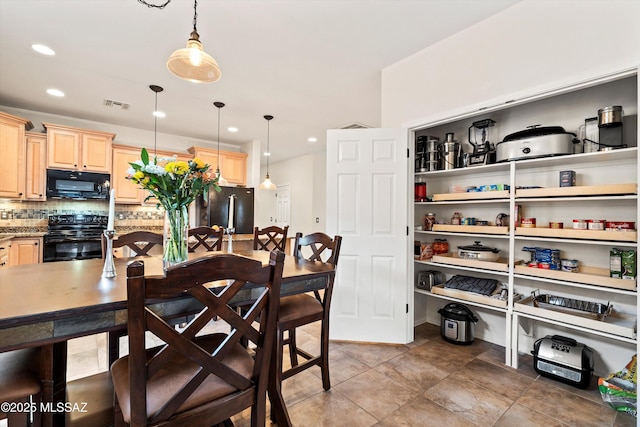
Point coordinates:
[(74, 237)]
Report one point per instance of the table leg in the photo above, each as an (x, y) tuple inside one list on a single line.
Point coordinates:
[(59, 376)]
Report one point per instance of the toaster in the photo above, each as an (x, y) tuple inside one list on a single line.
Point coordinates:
[(563, 359), (428, 279)]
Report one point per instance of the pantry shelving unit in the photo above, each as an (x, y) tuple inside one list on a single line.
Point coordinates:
[(607, 188)]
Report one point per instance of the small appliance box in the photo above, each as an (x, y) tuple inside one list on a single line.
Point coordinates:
[(563, 359)]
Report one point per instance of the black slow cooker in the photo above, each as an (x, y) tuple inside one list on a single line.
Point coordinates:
[(457, 323)]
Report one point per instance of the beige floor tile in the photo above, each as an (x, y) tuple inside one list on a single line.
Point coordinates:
[(370, 354), (518, 415), (442, 355), (477, 404), (423, 412), (624, 420), (412, 371), (502, 380), (329, 409), (562, 405), (375, 393), (341, 366)]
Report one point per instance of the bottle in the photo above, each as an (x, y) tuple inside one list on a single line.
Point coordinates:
[(429, 220), (440, 246), (455, 219)]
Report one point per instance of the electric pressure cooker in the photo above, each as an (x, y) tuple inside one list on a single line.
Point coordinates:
[(457, 323)]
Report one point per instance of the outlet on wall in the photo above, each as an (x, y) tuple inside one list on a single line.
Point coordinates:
[(317, 220)]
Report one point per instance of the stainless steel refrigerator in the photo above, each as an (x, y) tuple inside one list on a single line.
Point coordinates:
[(214, 209)]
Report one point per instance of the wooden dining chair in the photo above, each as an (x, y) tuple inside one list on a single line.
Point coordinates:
[(302, 309), (270, 238), (139, 242), (20, 381), (196, 380), (202, 238)]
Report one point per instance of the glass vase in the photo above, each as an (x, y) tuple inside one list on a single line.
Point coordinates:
[(176, 226)]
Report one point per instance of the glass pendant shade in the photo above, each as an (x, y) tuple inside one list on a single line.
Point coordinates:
[(221, 180), (193, 63), (267, 184)]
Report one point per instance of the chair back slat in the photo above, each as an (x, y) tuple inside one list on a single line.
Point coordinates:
[(206, 238), (213, 280), (317, 247), (270, 238), (139, 242)]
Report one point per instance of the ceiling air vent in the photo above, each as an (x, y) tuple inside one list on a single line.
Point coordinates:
[(116, 104), (355, 126)]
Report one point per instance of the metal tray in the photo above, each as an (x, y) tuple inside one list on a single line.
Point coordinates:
[(592, 310)]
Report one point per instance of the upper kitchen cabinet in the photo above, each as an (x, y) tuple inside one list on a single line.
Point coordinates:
[(233, 165), (78, 149), (12, 147), (36, 165)]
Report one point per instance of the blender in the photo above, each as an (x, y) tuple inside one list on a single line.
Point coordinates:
[(484, 152)]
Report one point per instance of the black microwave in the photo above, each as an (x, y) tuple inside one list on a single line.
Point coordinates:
[(63, 184)]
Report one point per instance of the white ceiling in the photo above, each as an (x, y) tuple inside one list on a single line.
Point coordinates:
[(313, 64)]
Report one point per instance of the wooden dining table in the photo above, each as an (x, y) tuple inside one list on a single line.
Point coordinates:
[(44, 305)]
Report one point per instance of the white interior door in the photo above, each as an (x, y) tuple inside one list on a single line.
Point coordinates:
[(367, 199), (283, 205)]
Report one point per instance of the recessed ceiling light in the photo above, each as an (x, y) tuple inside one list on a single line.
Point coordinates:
[(159, 114), (266, 153), (232, 129), (55, 92), (312, 139), (45, 50)]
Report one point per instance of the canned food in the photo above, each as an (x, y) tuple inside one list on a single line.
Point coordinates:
[(468, 221), (595, 224), (570, 265), (482, 222), (579, 224), (619, 226), (528, 223), (556, 225)]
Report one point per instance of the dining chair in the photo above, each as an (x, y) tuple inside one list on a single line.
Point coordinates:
[(270, 238), (140, 243), (198, 380), (202, 238), (20, 381), (302, 309)]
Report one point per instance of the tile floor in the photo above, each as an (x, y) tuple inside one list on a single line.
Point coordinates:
[(426, 383)]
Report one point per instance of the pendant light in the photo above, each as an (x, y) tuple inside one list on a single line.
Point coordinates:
[(192, 62), (267, 184), (156, 89), (221, 180)]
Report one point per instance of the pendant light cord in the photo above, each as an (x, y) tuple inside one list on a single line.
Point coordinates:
[(156, 6), (195, 15), (268, 147), (155, 128)]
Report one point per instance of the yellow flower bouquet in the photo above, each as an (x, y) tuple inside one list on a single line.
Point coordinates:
[(175, 184)]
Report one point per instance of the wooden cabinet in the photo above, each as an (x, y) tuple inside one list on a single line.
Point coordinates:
[(5, 247), (12, 147), (78, 149), (25, 250), (233, 165), (36, 164)]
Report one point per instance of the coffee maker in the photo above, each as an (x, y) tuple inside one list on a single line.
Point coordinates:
[(610, 127), (426, 153), (484, 152)]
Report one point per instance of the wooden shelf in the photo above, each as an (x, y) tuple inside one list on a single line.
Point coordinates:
[(470, 296), (586, 190), (616, 323), (480, 195), (480, 229), (453, 259), (569, 233), (586, 275)]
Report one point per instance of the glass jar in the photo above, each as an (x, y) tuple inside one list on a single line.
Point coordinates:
[(440, 246), (455, 219), (429, 221)]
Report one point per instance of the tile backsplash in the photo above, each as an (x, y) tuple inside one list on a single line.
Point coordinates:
[(34, 215)]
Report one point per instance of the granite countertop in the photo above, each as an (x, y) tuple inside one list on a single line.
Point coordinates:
[(5, 236)]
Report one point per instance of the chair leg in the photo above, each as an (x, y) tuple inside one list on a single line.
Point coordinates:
[(278, 365), (324, 355), (18, 418), (113, 346), (293, 347)]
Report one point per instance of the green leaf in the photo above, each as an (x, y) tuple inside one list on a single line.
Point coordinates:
[(144, 156)]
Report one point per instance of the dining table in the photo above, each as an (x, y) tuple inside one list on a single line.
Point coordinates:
[(45, 305)]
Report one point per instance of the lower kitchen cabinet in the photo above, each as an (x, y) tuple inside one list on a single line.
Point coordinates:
[(25, 250)]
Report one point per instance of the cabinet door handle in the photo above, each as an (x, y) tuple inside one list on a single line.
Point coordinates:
[(35, 243)]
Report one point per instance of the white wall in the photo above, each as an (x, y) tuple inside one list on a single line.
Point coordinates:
[(306, 176), (526, 49)]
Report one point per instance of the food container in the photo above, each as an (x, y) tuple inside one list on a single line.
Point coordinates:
[(595, 224), (429, 220), (622, 264), (570, 265), (482, 222), (619, 226), (468, 221), (556, 225), (440, 246), (528, 223), (455, 219), (479, 252), (567, 178), (426, 251), (579, 224)]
